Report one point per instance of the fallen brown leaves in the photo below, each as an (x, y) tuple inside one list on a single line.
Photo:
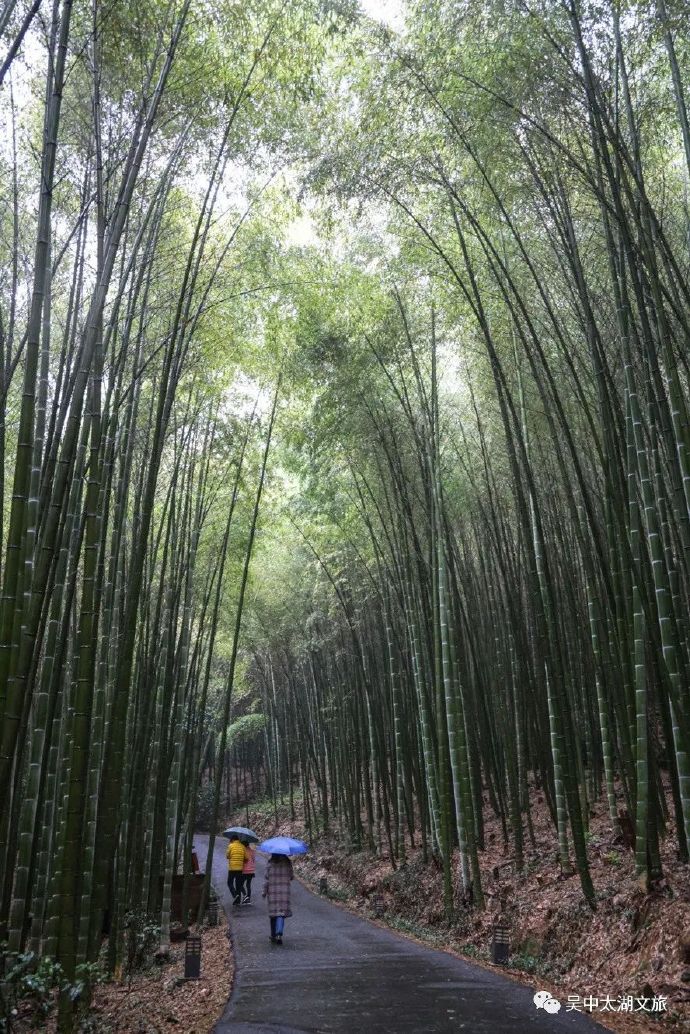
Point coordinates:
[(159, 1000)]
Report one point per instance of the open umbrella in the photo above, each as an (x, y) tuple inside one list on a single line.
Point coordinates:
[(283, 845), (241, 831)]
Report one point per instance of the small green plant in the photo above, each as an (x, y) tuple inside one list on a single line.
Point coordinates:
[(612, 858), (141, 937), (30, 985), (341, 893), (204, 806), (407, 926), (527, 963), (30, 981), (88, 974)]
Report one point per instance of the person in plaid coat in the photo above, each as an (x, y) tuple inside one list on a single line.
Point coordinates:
[(277, 890)]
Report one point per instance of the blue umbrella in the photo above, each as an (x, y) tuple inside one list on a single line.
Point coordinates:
[(283, 845), (240, 831)]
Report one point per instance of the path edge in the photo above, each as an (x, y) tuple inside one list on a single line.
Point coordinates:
[(225, 1016)]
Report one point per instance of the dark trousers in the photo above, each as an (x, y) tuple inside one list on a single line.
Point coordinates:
[(277, 926), (235, 881), (248, 877)]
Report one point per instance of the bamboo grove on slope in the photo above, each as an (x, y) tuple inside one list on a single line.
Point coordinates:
[(137, 469), (513, 571), (505, 552)]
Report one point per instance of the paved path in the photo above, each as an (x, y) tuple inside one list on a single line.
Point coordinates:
[(339, 974)]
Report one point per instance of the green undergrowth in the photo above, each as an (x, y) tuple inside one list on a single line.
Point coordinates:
[(526, 963), (433, 937), (265, 808), (30, 985), (337, 891), (339, 894)]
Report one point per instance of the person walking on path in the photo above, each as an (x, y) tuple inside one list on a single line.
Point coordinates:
[(236, 855), (248, 870), (277, 890)]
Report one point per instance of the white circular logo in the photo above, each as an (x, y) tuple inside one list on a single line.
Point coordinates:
[(544, 1000)]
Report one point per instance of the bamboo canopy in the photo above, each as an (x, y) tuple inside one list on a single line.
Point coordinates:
[(344, 415)]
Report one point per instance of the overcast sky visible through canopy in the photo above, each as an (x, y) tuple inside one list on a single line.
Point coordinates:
[(388, 11)]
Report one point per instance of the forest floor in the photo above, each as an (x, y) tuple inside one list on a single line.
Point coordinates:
[(157, 999), (634, 944)]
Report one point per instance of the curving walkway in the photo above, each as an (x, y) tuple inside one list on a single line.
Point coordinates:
[(338, 974)]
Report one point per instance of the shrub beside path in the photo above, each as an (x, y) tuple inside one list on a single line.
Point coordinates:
[(338, 974)]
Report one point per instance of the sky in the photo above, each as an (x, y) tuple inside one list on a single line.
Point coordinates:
[(388, 11), (391, 12)]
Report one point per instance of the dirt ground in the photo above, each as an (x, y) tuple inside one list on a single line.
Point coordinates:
[(633, 945), (159, 1000)]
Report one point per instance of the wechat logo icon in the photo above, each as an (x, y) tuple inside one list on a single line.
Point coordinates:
[(544, 1000)]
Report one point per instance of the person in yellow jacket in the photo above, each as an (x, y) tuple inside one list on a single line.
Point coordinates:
[(236, 855)]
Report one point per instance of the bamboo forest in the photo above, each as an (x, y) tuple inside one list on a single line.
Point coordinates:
[(345, 423)]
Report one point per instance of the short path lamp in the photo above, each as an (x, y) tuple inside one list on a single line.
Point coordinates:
[(500, 945), (192, 957), (323, 885), (379, 905)]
